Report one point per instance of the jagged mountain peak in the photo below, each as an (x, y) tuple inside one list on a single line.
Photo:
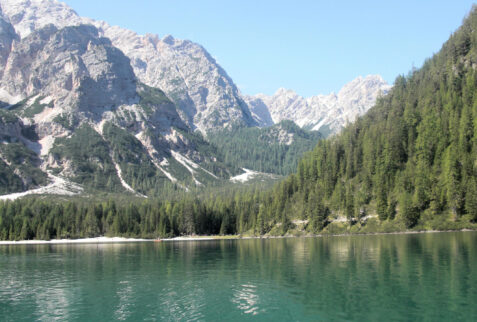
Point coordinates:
[(368, 82), (206, 96), (168, 39), (29, 15), (324, 113), (285, 92)]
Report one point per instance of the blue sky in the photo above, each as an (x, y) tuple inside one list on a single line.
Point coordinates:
[(312, 47)]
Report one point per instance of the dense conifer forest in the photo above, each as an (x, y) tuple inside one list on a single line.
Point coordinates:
[(276, 149)]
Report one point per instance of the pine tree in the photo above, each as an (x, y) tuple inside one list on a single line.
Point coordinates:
[(471, 199)]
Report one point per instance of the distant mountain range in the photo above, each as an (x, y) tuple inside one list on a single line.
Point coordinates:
[(324, 113), (115, 111)]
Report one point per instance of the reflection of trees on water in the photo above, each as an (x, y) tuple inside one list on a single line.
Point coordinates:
[(422, 276), (410, 275)]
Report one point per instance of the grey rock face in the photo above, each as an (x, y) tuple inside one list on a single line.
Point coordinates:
[(74, 66), (81, 75), (65, 87), (260, 110), (206, 96), (324, 113), (29, 15), (7, 36)]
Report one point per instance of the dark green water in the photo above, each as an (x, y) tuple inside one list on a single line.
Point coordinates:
[(388, 277)]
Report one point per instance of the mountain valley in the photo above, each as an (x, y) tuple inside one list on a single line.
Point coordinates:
[(110, 110)]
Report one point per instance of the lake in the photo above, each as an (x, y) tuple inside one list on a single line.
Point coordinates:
[(429, 276)]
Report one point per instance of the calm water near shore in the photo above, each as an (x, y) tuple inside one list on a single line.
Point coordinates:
[(381, 277)]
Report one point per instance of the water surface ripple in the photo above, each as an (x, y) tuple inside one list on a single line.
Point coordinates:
[(354, 278)]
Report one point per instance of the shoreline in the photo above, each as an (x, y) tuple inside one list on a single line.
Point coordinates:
[(112, 240), (93, 240)]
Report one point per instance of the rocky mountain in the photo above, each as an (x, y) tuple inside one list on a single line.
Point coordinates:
[(206, 96), (73, 107), (324, 113), (106, 109)]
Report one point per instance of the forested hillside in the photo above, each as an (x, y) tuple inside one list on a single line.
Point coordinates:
[(409, 163), (275, 149), (413, 157)]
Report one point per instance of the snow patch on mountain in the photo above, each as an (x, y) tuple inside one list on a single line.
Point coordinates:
[(58, 186), (244, 177), (123, 182), (151, 152), (249, 175)]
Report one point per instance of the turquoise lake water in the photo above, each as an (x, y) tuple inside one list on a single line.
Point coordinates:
[(429, 277)]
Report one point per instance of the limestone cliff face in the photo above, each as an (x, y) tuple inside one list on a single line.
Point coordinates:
[(7, 36), (324, 113), (73, 105), (73, 66), (206, 96)]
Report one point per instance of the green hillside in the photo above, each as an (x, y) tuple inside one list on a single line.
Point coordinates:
[(276, 149), (412, 159)]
